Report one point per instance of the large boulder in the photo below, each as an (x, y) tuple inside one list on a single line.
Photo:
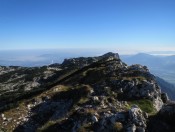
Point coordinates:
[(131, 121), (137, 120)]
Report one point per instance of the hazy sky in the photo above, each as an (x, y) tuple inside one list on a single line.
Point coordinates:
[(101, 24)]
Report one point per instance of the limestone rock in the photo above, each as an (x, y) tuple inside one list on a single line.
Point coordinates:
[(94, 119)]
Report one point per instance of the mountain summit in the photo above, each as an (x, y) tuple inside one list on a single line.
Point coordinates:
[(84, 94)]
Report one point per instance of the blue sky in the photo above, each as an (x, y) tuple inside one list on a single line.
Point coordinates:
[(130, 25)]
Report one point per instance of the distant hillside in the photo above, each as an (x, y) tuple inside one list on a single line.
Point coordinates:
[(142, 58), (166, 87)]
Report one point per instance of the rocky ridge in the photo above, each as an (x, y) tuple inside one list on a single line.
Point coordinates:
[(83, 94)]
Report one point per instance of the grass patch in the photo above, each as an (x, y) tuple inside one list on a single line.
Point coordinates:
[(118, 127), (83, 100), (75, 93), (139, 78), (46, 126), (144, 104)]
